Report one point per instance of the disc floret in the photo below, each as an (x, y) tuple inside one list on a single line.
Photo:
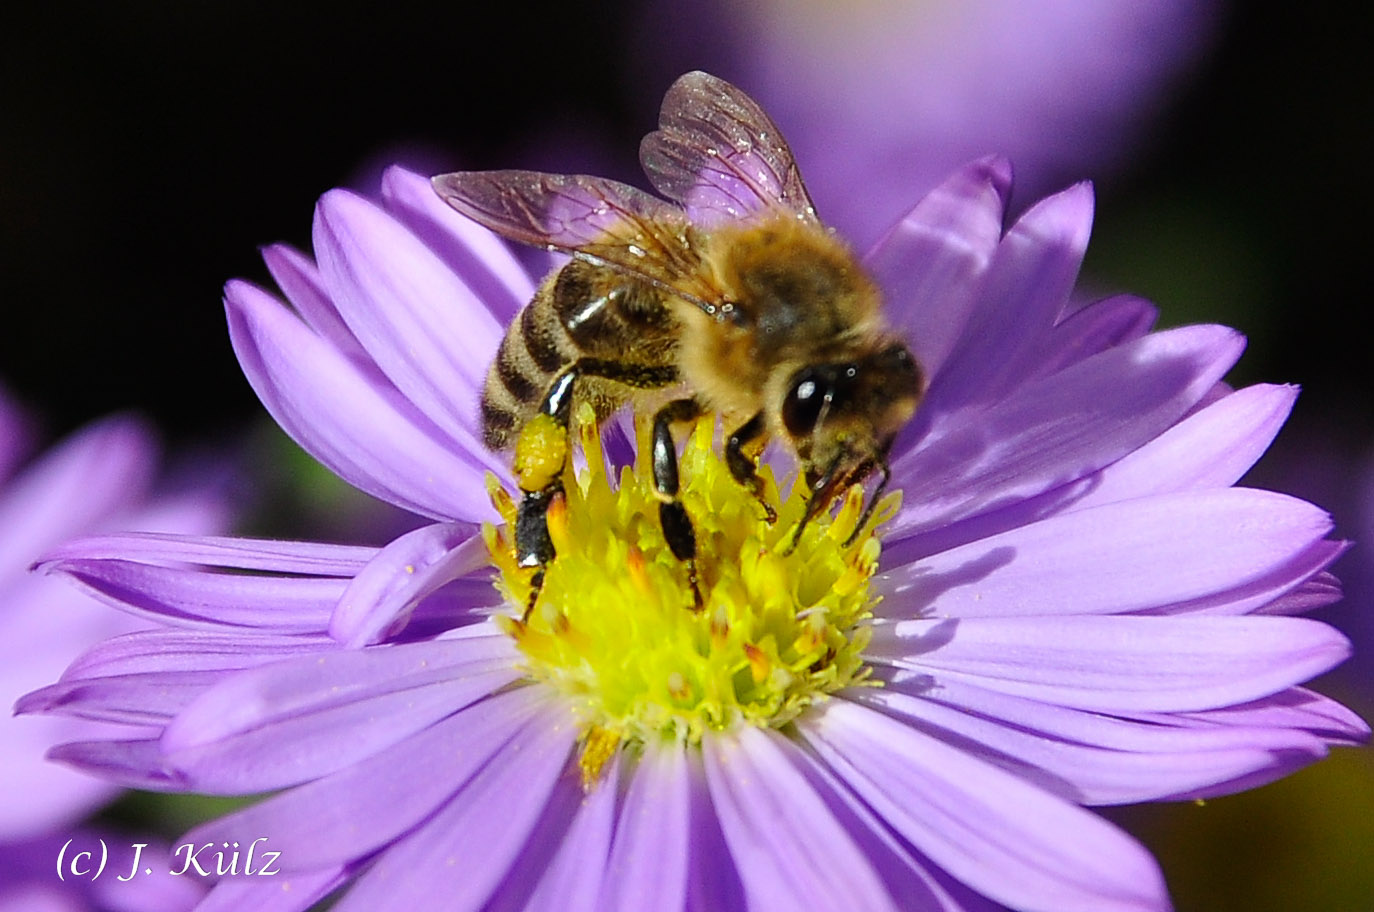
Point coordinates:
[(615, 628)]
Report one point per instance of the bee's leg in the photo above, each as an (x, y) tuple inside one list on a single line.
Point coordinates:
[(541, 456), (672, 515), (744, 469)]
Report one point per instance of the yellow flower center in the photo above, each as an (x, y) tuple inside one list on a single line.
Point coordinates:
[(614, 628)]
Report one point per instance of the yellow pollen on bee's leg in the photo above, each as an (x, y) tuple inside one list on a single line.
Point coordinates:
[(541, 452)]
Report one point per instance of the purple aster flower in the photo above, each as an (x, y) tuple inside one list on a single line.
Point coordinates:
[(99, 479), (1071, 604), (882, 99)]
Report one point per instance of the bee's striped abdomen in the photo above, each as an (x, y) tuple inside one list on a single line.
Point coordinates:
[(582, 310), (534, 350)]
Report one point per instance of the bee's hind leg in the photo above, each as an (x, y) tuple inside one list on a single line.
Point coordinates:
[(744, 469), (672, 515), (541, 456)]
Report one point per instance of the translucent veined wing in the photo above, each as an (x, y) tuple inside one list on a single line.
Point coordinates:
[(595, 219), (720, 155)]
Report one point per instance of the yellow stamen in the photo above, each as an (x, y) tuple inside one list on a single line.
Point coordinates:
[(612, 627)]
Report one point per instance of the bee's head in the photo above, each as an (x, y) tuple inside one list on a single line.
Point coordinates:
[(842, 417)]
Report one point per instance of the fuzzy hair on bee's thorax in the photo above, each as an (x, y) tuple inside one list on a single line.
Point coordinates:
[(792, 293)]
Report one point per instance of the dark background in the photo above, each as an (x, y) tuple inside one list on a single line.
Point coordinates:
[(148, 149)]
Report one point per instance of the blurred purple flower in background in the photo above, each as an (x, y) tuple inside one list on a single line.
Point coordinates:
[(99, 479), (882, 98), (29, 874), (1074, 606)]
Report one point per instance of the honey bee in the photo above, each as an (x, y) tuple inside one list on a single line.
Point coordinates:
[(735, 293)]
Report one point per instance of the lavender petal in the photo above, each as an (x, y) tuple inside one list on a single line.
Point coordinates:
[(929, 263), (572, 881), (1212, 448), (379, 600), (788, 847), (1321, 590), (1123, 557), (334, 708), (133, 764), (348, 418), (650, 853), (310, 558), (75, 487), (316, 824), (1021, 296), (172, 650), (484, 826), (278, 893), (1116, 663), (482, 259), (1089, 758), (299, 279), (1001, 835), (1058, 429), (196, 598), (1094, 328), (426, 330)]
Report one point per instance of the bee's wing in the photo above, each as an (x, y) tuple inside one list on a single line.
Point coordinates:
[(600, 220), (720, 155)]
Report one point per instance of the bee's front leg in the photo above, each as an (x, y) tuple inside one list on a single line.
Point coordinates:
[(743, 468), (672, 515)]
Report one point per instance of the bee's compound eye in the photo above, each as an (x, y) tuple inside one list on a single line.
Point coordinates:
[(805, 400)]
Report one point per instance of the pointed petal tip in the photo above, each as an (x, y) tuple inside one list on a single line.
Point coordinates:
[(118, 434), (279, 253), (1066, 216), (234, 289), (1215, 341), (334, 210), (995, 170), (400, 183), (33, 702), (399, 173), (47, 565), (242, 296)]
